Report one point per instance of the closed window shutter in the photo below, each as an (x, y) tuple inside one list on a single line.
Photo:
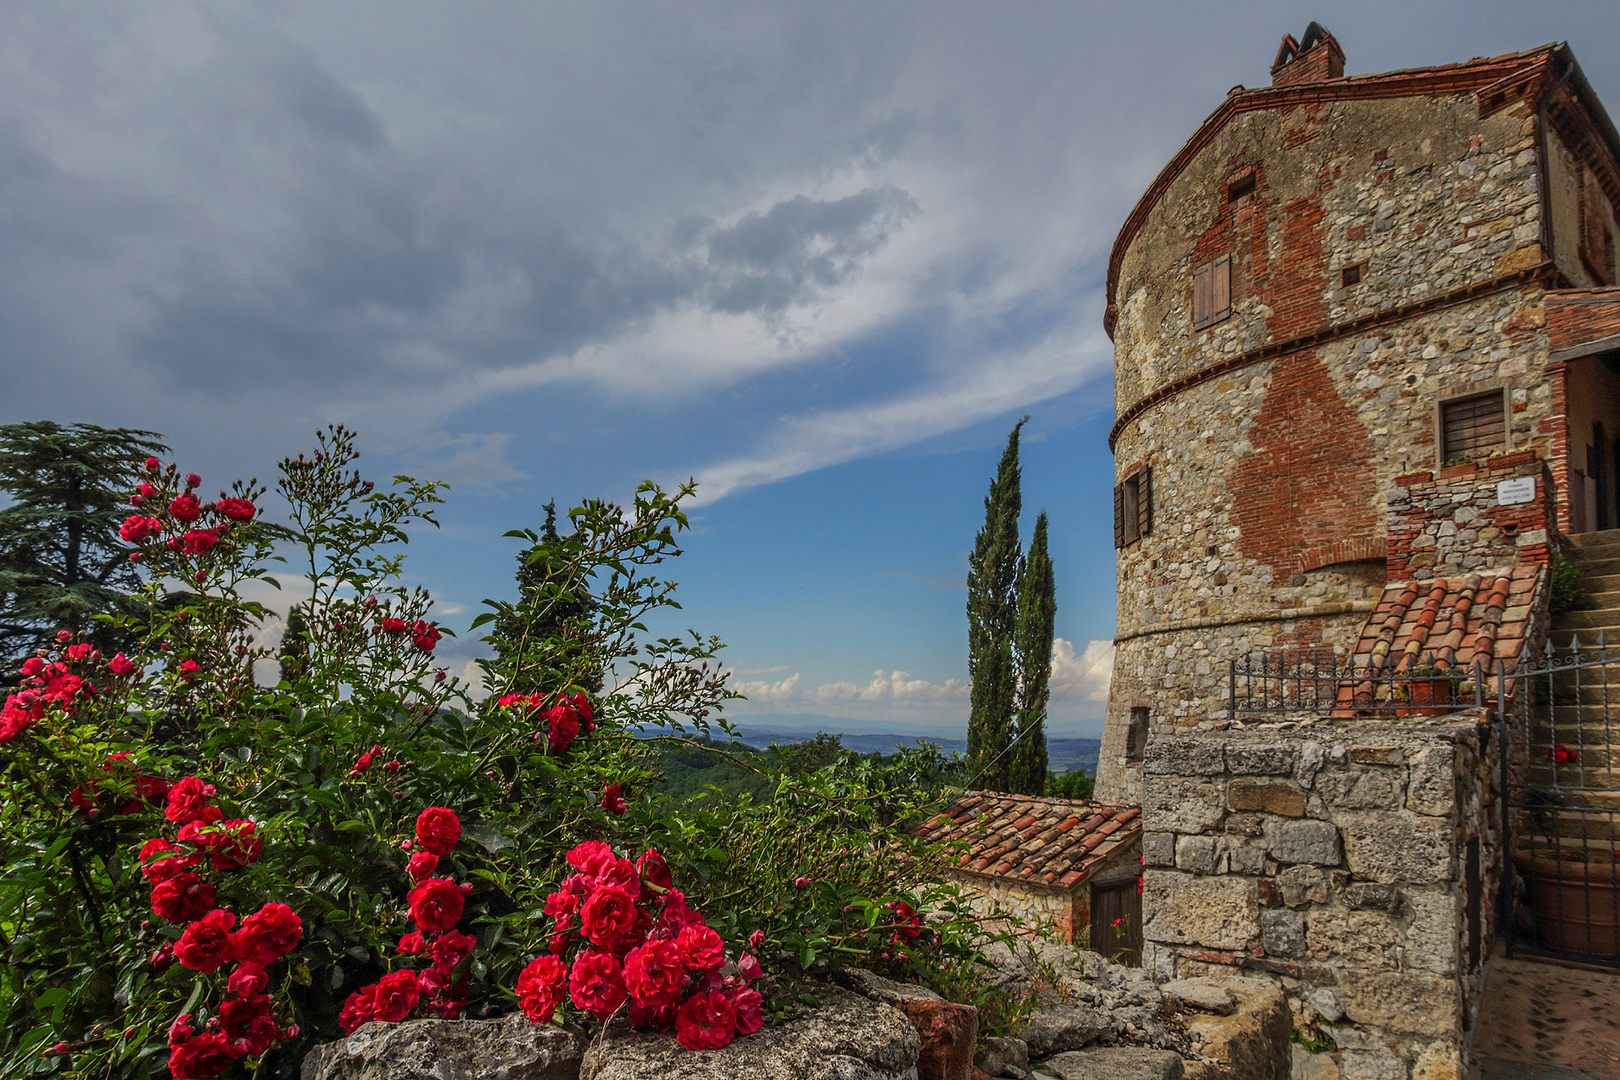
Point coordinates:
[(1221, 302), (1472, 427), (1144, 501), (1119, 515), (1203, 296)]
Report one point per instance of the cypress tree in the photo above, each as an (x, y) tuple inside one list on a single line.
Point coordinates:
[(62, 562), (540, 643), (991, 611), (1032, 638)]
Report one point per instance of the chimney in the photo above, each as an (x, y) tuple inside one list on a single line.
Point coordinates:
[(1315, 58)]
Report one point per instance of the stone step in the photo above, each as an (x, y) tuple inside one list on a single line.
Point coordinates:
[(1603, 538), (1585, 556), (1589, 619), (1600, 563), (1609, 599)]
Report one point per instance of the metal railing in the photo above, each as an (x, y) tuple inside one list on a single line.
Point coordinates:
[(1315, 681)]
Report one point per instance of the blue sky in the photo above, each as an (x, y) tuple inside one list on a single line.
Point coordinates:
[(819, 255)]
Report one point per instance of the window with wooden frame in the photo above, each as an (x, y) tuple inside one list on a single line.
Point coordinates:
[(1472, 427), (1596, 234), (1212, 292), (1133, 507)]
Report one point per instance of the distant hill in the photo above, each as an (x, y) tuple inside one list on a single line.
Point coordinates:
[(1062, 755)]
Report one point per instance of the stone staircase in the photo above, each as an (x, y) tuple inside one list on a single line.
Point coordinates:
[(1597, 556)]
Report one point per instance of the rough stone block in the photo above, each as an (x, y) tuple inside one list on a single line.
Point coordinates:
[(1312, 756), (1325, 1000), (1196, 854), (1300, 885), (948, 1031), (1271, 796), (1314, 1066), (1396, 847), (1173, 756), (1434, 928), (1374, 1066), (1159, 849), (1116, 1063), (1181, 804), (1403, 1001), (1216, 912), (1276, 759), (998, 1053), (1282, 932), (1370, 896), (449, 1050), (1205, 995), (1360, 788), (1062, 1027), (1313, 842), (1438, 1061), (1245, 858), (1368, 939), (1252, 1043), (1431, 787), (1377, 755)]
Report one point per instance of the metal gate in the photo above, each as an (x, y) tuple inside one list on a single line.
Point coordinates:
[(1561, 813)]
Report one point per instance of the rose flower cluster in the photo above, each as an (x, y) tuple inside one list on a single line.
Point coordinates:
[(622, 931), (566, 716), (48, 684), (180, 524), (244, 1025), (436, 904)]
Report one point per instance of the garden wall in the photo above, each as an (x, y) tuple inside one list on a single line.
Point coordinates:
[(1352, 861)]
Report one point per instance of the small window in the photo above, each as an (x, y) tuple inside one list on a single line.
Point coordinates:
[(1239, 189), (1351, 275), (1212, 292), (1136, 735), (1133, 508), (1472, 427)]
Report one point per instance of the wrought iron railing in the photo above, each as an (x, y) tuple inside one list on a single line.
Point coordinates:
[(1316, 681)]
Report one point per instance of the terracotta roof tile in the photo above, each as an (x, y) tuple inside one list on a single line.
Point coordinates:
[(1031, 838)]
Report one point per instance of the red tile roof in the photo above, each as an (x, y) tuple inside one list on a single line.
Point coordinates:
[(1032, 839)]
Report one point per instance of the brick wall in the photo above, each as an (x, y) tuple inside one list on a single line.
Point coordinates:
[(1331, 858), (1448, 521)]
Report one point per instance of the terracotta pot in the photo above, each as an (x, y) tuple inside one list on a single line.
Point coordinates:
[(1428, 696), (1577, 904)]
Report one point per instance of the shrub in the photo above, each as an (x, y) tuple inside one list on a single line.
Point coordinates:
[(1568, 592)]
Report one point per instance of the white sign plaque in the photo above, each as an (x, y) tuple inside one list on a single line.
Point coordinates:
[(1521, 489)]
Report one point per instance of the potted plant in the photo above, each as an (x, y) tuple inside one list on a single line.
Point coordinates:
[(1426, 690)]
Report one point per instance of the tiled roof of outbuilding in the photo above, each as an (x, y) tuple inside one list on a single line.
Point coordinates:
[(1448, 622), (1033, 839)]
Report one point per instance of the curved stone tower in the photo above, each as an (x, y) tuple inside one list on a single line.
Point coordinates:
[(1334, 282)]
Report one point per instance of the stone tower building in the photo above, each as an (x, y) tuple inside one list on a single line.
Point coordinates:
[(1337, 283)]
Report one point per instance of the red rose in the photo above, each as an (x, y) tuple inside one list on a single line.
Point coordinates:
[(248, 980), (233, 845), (620, 873), (590, 857), (596, 984), (608, 916), (749, 1005), (361, 1008), (676, 916), (705, 1022), (248, 1023), (701, 948), (654, 870), (138, 528), (180, 1030), (436, 904), (185, 509), (120, 666), (392, 626), (438, 829), (422, 865), (905, 916), (662, 1018), (206, 944), (396, 996), (206, 1055), (268, 934), (582, 706), (563, 727), (182, 898), (451, 948), (653, 973), (237, 509), (190, 669), (540, 988), (412, 943), (612, 801), (187, 799), (198, 541), (748, 964)]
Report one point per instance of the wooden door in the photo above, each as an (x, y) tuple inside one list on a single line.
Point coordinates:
[(1116, 921)]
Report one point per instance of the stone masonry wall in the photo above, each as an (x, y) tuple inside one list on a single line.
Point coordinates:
[(1332, 856), (1066, 911), (1449, 522)]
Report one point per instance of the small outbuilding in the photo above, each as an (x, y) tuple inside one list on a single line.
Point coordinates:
[(1073, 865)]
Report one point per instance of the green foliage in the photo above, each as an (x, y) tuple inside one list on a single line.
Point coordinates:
[(1313, 1039), (540, 641), (1069, 785), (991, 610), (333, 763), (62, 562), (1033, 633), (1568, 592)]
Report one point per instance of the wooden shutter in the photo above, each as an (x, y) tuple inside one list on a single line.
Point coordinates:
[(1221, 288), (1119, 515), (1144, 501), (1472, 427), (1203, 296), (1596, 240)]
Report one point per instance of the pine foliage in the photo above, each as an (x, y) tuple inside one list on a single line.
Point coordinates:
[(540, 643), (62, 562), (1033, 632), (992, 612)]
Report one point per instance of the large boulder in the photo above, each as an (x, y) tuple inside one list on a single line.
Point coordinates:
[(1115, 1063), (949, 1031), (1249, 1044), (846, 1037), (510, 1048)]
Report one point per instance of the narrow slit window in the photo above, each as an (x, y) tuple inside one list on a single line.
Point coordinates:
[(1351, 275), (1136, 734), (1472, 427)]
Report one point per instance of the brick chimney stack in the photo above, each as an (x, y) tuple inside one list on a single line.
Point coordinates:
[(1315, 58)]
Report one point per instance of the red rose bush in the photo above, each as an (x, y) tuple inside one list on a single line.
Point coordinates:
[(621, 933)]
